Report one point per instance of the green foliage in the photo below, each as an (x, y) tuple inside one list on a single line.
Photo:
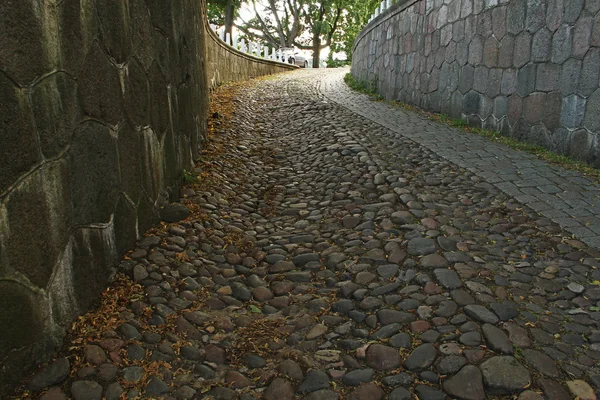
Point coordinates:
[(361, 87), (189, 178), (355, 17), (331, 63)]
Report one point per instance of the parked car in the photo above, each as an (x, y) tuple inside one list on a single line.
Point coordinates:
[(293, 56)]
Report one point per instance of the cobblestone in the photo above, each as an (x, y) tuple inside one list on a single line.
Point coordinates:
[(354, 249)]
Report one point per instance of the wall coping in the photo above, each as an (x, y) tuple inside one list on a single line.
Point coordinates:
[(387, 14), (247, 56)]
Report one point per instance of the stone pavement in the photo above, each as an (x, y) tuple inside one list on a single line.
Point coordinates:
[(566, 197), (348, 249)]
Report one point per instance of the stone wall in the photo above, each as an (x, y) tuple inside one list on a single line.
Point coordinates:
[(226, 64), (102, 104), (529, 68)]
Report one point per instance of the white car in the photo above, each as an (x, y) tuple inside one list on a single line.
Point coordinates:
[(293, 56)]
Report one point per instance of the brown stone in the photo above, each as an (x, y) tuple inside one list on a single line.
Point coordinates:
[(279, 389), (94, 354)]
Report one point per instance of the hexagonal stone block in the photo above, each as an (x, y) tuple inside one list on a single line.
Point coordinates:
[(573, 110), (590, 73), (541, 46), (547, 78), (592, 116), (554, 14), (522, 51), (536, 15), (581, 144), (570, 73), (17, 134), (515, 16), (561, 44), (573, 10)]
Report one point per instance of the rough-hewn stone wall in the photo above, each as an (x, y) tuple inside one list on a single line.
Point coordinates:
[(529, 68), (102, 105), (225, 64)]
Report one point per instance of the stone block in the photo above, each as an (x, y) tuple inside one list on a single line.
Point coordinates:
[(581, 144), (56, 112), (24, 321), (159, 100), (539, 135), (536, 15), (548, 76), (22, 25), (94, 253), (521, 130), (142, 33), (130, 161), (561, 44), (38, 223), (595, 40), (509, 82), (466, 8), (582, 36), (467, 73), (505, 52), (552, 108), (475, 51), (486, 107), (515, 108), (480, 79), (458, 31), (153, 164), (522, 52), (541, 46), (526, 80), (147, 214), (515, 16), (100, 88), (450, 52), (494, 82), (456, 103), (18, 139), (592, 115), (573, 10), (484, 24), (590, 73), (471, 103), (137, 94), (79, 26), (571, 71), (500, 107), (499, 22), (478, 6), (490, 52), (462, 52), (125, 221), (572, 112), (534, 107), (592, 6), (560, 140), (94, 169), (554, 14)]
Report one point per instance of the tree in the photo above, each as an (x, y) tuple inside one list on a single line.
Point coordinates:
[(356, 15), (323, 18), (223, 12), (276, 22)]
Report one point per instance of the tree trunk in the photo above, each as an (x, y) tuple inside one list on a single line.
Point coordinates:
[(316, 50), (229, 16)]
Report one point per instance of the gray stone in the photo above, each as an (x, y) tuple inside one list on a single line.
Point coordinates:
[(573, 111), (421, 246), (504, 375), (358, 376), (315, 380), (561, 44), (421, 358), (448, 278), (497, 340), (481, 314), (174, 212), (467, 384), (592, 118), (382, 358), (590, 73), (86, 390), (54, 373)]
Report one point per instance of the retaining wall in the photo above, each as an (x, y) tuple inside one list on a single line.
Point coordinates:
[(529, 68), (102, 105), (226, 64)]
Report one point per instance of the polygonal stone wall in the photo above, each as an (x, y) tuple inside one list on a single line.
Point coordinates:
[(102, 104), (528, 68)]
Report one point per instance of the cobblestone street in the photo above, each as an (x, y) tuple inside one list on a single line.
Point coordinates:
[(350, 249)]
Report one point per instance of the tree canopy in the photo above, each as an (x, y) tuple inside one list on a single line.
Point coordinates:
[(304, 24)]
